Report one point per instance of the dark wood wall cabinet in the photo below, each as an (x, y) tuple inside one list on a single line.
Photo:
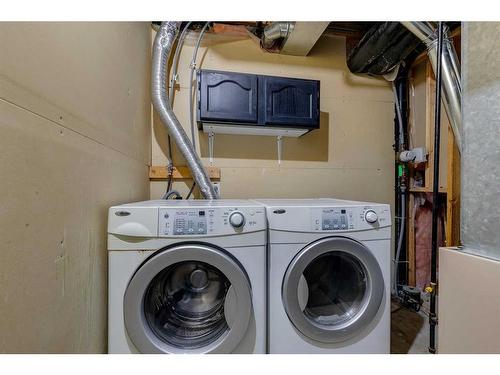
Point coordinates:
[(265, 104)]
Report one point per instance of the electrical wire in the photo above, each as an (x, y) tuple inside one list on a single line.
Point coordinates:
[(169, 182), (191, 190), (191, 94)]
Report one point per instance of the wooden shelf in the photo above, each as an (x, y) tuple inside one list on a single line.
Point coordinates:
[(159, 173)]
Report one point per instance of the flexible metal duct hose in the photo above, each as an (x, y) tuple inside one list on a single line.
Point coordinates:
[(159, 95), (452, 89)]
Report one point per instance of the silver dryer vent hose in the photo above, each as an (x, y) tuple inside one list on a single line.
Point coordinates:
[(162, 46)]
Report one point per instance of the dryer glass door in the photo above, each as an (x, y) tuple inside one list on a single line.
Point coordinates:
[(333, 289), (189, 298)]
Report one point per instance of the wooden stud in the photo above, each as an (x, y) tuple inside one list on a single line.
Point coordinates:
[(453, 193), (411, 126), (157, 172), (410, 256), (419, 59), (430, 89)]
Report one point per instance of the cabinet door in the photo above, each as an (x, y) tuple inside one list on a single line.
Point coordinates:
[(226, 96), (290, 101)]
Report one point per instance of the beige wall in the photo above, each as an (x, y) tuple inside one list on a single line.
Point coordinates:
[(350, 156), (74, 139), (468, 303)]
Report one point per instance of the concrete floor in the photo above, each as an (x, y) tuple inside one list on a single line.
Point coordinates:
[(409, 331)]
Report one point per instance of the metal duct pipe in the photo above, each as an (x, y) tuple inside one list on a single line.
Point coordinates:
[(452, 89), (422, 30), (275, 31), (162, 46)]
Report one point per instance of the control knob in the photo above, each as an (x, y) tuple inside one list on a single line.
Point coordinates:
[(236, 219), (371, 216)]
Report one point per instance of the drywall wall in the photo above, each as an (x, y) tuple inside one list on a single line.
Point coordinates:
[(350, 156), (463, 327), (75, 139), (468, 306), (480, 182)]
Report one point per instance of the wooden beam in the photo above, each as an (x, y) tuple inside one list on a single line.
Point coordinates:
[(420, 59), (159, 172), (232, 30), (430, 86), (452, 230)]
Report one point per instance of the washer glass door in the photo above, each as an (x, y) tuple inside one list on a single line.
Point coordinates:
[(188, 298), (184, 304), (332, 289)]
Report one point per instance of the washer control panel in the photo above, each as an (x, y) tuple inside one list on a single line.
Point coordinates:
[(189, 222), (173, 221), (333, 219), (349, 218)]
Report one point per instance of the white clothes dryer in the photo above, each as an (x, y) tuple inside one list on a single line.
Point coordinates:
[(329, 276)]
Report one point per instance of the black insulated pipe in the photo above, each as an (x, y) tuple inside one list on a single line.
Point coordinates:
[(435, 192), (383, 47)]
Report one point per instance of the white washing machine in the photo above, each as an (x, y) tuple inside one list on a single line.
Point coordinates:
[(329, 276), (187, 277)]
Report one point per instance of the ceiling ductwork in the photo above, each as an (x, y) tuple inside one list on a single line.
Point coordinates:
[(388, 45), (381, 49), (275, 31), (292, 38)]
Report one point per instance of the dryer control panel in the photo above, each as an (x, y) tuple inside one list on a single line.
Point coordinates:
[(349, 218), (335, 219), (173, 221)]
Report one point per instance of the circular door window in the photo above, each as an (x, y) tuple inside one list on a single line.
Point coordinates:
[(333, 289), (184, 304), (189, 298)]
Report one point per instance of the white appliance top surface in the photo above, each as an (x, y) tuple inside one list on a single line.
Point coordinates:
[(194, 203), (314, 202), (326, 216), (187, 218)]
